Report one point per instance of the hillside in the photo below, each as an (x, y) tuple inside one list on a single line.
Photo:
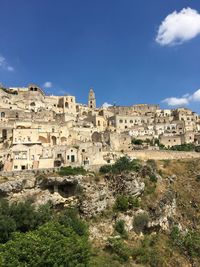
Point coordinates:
[(134, 213)]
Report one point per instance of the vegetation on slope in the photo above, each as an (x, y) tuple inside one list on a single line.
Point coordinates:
[(44, 236)]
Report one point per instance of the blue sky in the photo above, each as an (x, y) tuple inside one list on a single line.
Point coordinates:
[(109, 45)]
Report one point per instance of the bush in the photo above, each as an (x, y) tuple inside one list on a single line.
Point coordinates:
[(21, 217), (140, 222), (7, 226), (121, 251), (133, 202), (153, 178), (69, 218), (105, 169), (187, 242), (183, 147), (124, 203), (52, 244), (71, 171), (148, 253), (137, 142), (197, 149), (121, 203), (120, 228), (122, 164)]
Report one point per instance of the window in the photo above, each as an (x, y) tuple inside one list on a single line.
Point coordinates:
[(121, 121), (72, 158), (2, 114), (68, 157), (15, 167)]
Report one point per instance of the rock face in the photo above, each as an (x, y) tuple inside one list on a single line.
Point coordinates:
[(15, 186), (164, 211), (95, 198), (91, 196), (126, 183)]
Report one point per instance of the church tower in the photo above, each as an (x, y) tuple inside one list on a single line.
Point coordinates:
[(91, 99)]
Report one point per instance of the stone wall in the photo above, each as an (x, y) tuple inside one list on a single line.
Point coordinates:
[(163, 154)]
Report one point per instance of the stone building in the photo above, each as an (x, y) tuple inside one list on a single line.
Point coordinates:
[(44, 131)]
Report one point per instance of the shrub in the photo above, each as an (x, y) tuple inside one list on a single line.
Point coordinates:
[(197, 149), (122, 164), (183, 147), (121, 251), (121, 203), (153, 178), (148, 253), (187, 242), (69, 218), (7, 226), (21, 217), (71, 171), (120, 228), (140, 222), (133, 202), (51, 245), (137, 142), (105, 169)]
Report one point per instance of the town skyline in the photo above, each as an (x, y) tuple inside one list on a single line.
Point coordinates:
[(127, 54)]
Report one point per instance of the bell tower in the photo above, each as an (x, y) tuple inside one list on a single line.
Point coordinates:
[(91, 99)]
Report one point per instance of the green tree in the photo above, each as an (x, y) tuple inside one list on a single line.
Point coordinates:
[(52, 244), (7, 226)]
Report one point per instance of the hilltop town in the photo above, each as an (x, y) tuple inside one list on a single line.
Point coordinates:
[(41, 131)]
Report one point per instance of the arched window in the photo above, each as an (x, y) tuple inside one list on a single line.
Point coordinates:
[(3, 114)]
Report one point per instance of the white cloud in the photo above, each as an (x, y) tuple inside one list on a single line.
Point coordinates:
[(179, 27), (48, 84), (106, 105), (175, 101), (196, 96), (4, 64), (184, 100)]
